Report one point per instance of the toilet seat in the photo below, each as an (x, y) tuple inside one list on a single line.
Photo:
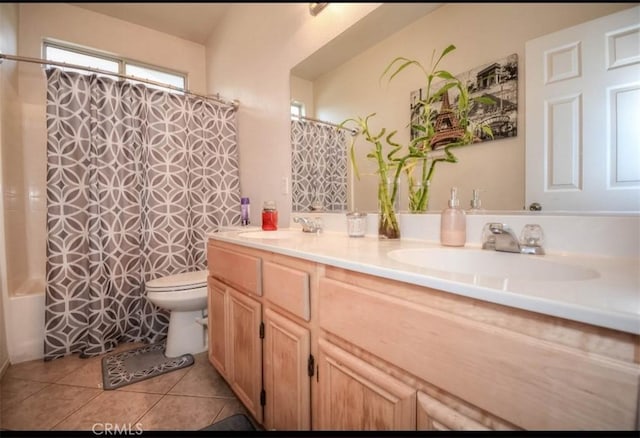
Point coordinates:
[(178, 282)]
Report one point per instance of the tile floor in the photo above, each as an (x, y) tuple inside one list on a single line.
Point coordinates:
[(67, 394)]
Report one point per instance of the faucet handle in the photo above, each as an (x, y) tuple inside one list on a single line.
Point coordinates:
[(318, 224), (532, 238), (532, 235)]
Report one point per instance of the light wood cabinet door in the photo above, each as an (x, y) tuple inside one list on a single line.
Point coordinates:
[(357, 396), (245, 350), (286, 377), (217, 326)]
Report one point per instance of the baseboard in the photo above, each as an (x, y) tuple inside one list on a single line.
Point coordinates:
[(4, 367)]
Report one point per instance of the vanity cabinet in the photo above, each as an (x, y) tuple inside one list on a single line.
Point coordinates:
[(259, 332), (346, 350)]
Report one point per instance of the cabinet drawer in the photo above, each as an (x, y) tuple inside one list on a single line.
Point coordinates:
[(529, 382), (287, 288), (241, 271)]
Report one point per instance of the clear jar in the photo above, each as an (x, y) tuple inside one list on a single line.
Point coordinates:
[(356, 224)]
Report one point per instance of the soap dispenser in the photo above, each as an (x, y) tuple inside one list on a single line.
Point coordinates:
[(476, 204), (453, 222)]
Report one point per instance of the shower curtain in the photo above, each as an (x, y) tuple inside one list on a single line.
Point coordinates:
[(136, 179), (319, 166)]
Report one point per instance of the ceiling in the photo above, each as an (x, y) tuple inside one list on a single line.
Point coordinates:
[(375, 27), (190, 21), (195, 22)]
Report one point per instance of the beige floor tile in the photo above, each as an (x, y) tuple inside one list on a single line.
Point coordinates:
[(44, 409), (29, 400), (88, 375), (16, 390), (49, 371), (175, 412), (202, 380), (113, 407)]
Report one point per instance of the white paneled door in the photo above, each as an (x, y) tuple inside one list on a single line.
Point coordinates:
[(583, 116)]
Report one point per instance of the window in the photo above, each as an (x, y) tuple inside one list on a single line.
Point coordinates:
[(297, 109), (144, 72), (60, 53)]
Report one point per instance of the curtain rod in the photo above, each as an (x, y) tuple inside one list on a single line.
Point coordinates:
[(353, 130), (234, 103)]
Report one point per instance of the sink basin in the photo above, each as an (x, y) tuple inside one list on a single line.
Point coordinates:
[(486, 263), (276, 234)]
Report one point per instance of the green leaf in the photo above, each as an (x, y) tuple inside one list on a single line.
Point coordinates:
[(438, 94), (444, 75), (485, 100)]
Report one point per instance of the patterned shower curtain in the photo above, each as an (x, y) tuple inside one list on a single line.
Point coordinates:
[(136, 179), (319, 166)]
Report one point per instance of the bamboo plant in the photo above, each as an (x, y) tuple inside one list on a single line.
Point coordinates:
[(419, 150), (418, 153), (389, 170)]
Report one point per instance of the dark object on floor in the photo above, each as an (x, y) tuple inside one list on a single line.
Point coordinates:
[(234, 422), (132, 366)]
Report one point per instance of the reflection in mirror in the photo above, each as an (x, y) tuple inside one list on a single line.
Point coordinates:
[(319, 165), (338, 83)]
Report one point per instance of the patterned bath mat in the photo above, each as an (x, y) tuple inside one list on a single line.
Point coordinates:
[(132, 366)]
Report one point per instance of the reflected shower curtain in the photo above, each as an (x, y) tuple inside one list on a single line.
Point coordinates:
[(136, 178), (319, 166)]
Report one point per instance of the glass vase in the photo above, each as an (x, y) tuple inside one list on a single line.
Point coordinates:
[(419, 197), (388, 224)]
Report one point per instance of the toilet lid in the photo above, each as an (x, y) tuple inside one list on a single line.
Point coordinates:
[(186, 280)]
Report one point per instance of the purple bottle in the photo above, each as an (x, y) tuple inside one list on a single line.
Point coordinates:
[(244, 205)]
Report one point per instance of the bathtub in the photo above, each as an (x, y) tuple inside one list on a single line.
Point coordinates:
[(25, 322)]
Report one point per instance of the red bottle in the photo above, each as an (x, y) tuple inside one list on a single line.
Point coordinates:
[(269, 216)]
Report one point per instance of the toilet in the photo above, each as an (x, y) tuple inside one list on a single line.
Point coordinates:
[(185, 297)]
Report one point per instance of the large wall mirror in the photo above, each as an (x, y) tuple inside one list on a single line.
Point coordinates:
[(342, 80)]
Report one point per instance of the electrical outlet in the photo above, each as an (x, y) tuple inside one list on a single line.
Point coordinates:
[(285, 185)]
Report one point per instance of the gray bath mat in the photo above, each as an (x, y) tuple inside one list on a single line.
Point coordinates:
[(234, 422), (132, 366)]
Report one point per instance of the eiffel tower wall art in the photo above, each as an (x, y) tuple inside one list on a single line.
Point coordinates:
[(497, 80)]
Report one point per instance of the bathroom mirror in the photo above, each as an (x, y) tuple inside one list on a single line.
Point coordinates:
[(342, 80)]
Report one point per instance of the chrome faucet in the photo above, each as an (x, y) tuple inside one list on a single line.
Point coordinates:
[(500, 237), (309, 225)]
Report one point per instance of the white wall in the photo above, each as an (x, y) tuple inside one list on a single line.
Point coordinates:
[(8, 108), (302, 91), (482, 33), (249, 57)]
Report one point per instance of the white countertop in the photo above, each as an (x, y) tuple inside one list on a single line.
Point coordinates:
[(611, 299)]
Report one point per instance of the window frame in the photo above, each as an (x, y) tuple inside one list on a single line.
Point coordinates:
[(301, 109), (120, 60)]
